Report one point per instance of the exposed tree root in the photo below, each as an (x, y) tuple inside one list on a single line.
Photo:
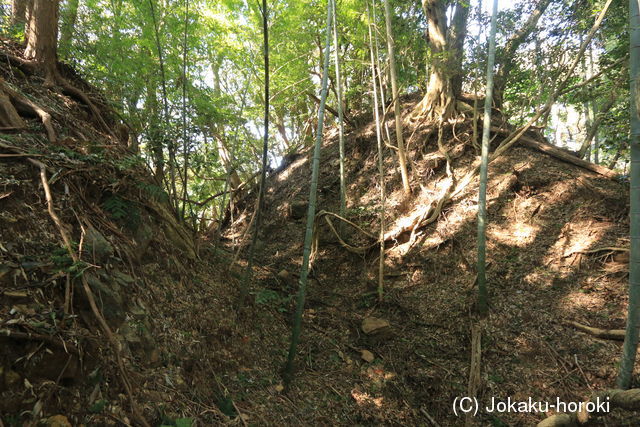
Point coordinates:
[(610, 249), (39, 337), (606, 334), (9, 117), (608, 399), (53, 78), (360, 250), (23, 103), (74, 91), (90, 297)]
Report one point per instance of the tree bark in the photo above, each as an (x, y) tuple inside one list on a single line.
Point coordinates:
[(593, 128), (630, 347), (457, 35), (402, 156), (42, 36), (439, 101)]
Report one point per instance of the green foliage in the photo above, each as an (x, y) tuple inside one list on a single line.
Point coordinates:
[(129, 162), (63, 262), (154, 191), (123, 211), (98, 406), (273, 299)]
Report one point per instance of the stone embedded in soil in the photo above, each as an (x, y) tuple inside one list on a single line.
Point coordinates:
[(373, 324), (298, 209), (367, 356), (96, 247), (58, 421)]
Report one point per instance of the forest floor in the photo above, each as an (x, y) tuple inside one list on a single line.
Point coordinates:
[(545, 216), (190, 357)]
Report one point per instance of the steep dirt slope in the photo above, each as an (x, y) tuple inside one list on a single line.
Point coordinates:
[(545, 216), (57, 362)]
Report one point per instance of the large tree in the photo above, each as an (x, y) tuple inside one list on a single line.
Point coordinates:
[(445, 46), (42, 36)]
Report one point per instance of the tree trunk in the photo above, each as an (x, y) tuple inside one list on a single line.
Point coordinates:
[(338, 83), (439, 101), (484, 165), (311, 211), (593, 127), (402, 155), (248, 273), (18, 12), (456, 37), (506, 57), (68, 24), (42, 36), (376, 114), (633, 317)]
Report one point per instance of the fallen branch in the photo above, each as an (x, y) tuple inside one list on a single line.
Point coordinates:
[(596, 250), (559, 154), (606, 334), (330, 109)]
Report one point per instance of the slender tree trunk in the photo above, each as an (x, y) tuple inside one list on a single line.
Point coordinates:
[(630, 346), (507, 58), (583, 153), (616, 156), (311, 212), (244, 288), (42, 37), (338, 81), (402, 155), (376, 113), (476, 78), (171, 146), (185, 133), (154, 132), (68, 24), (484, 165), (457, 35)]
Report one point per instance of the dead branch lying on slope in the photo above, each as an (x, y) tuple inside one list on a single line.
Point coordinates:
[(608, 399), (607, 334), (559, 154)]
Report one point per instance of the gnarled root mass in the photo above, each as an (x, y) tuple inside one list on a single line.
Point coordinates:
[(11, 101), (53, 77)]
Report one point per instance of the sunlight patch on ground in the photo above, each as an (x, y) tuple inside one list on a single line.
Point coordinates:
[(363, 398), (575, 237), (284, 175), (514, 234), (582, 300)]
